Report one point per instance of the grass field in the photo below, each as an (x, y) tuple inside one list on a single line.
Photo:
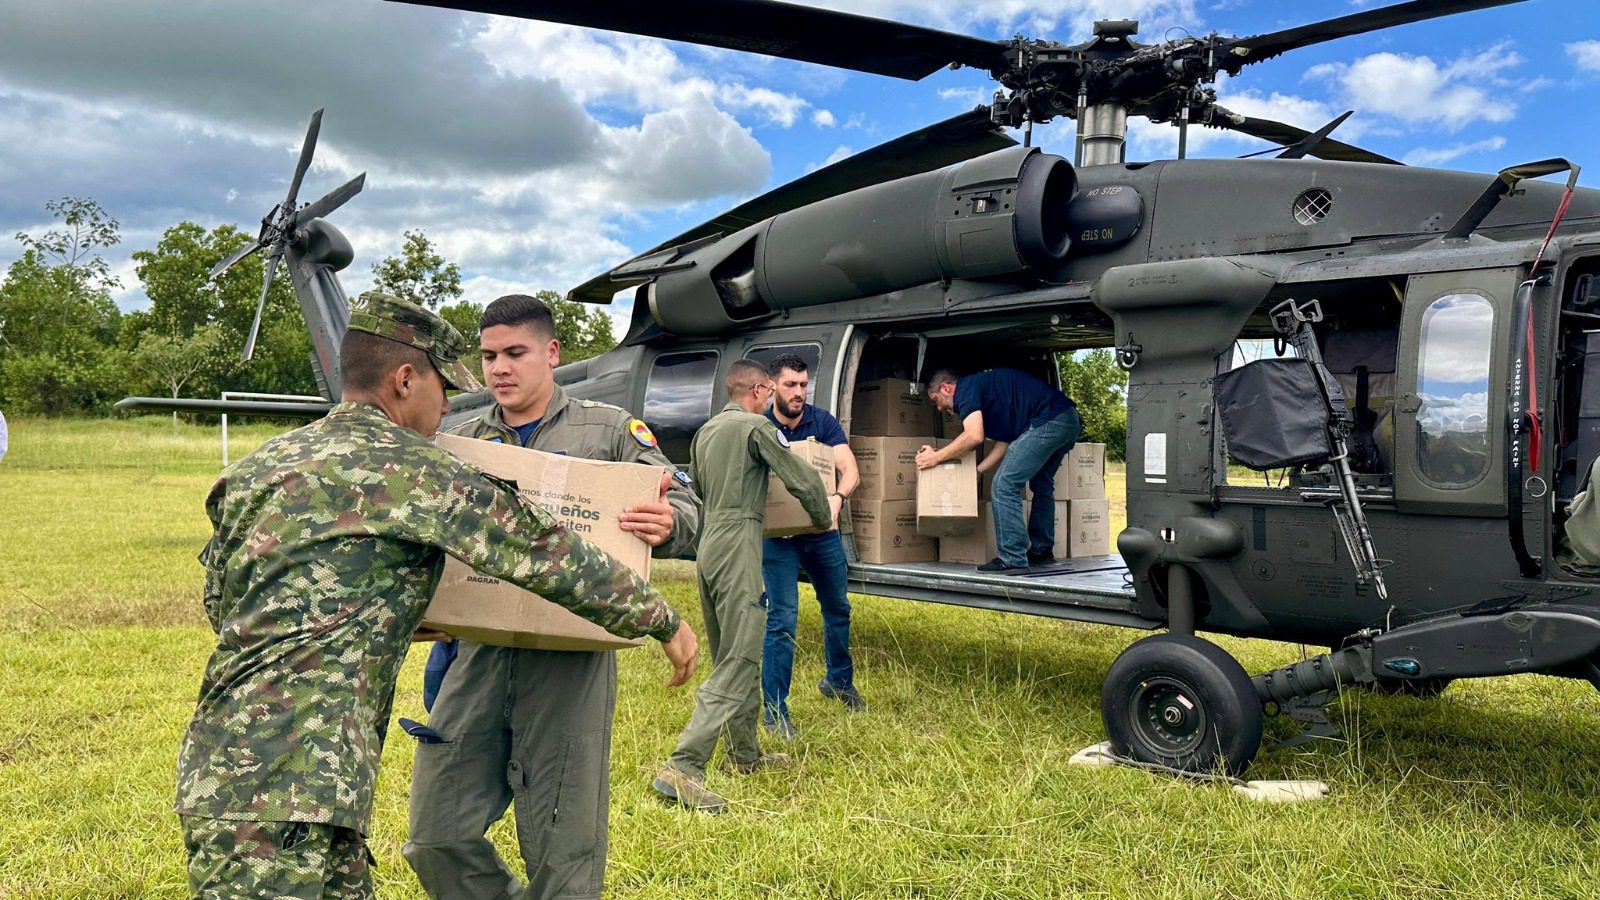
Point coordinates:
[(954, 784)]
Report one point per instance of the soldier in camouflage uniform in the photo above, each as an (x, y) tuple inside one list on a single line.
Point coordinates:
[(729, 461), (327, 544), (523, 728)]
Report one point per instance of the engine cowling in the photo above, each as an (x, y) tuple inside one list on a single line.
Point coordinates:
[(998, 215)]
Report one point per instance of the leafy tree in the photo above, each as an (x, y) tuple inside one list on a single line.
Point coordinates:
[(418, 274), (74, 247), (1099, 386), (171, 362), (583, 330), (184, 300), (58, 323), (465, 315)]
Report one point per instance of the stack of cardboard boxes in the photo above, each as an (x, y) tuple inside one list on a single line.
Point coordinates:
[(900, 514), (890, 420), (1081, 511), (1083, 514)]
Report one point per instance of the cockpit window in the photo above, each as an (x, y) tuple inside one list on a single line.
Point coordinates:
[(1453, 384), (677, 398), (811, 353)]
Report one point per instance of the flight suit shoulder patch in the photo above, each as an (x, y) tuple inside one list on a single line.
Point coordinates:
[(781, 439), (641, 433), (683, 478)]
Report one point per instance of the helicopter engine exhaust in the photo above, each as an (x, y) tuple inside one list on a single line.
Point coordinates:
[(993, 216)]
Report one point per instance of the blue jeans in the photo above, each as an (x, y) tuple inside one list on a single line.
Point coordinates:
[(1031, 459), (822, 556)]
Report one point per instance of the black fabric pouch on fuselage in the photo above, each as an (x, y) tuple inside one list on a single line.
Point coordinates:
[(1273, 414)]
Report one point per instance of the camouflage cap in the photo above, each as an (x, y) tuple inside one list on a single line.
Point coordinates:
[(386, 315)]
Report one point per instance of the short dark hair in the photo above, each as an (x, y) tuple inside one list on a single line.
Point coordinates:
[(744, 375), (365, 359), (786, 361), (940, 378), (519, 309)]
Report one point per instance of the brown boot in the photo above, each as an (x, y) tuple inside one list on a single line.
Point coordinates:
[(687, 791), (750, 767)]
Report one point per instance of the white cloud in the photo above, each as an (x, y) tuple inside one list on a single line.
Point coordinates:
[(1060, 19), (822, 118), (780, 109), (636, 74), (522, 150), (1416, 90), (840, 152), (966, 96), (1585, 55), (1424, 156)]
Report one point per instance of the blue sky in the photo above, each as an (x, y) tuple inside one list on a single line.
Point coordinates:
[(538, 155)]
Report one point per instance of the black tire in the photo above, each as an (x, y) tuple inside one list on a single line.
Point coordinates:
[(1179, 701), (1423, 688)]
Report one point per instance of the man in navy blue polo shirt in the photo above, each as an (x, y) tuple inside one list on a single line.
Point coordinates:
[(1033, 426), (821, 555)]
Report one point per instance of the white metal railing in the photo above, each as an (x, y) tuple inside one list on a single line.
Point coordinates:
[(251, 395)]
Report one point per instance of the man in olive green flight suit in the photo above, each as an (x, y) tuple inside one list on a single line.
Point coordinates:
[(729, 460), (522, 728)]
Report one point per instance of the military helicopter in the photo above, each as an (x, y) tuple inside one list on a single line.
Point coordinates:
[(1433, 406)]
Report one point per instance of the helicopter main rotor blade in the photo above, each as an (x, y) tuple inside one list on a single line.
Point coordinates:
[(332, 200), (953, 140), (266, 285), (1236, 53), (233, 257), (824, 36), (1301, 148), (306, 150), (1298, 138)]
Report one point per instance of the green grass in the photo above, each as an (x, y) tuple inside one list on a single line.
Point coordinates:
[(954, 784)]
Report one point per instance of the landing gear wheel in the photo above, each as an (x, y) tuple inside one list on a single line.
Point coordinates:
[(1179, 701), (1425, 688)]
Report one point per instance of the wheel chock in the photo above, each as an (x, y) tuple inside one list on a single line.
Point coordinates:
[(1095, 757), (1282, 791), (1099, 756)]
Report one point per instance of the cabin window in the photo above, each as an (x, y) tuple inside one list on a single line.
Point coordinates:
[(677, 398), (811, 353), (1453, 386)]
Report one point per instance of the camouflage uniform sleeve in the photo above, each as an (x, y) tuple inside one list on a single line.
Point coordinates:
[(211, 557), (484, 523), (684, 502), (796, 474)]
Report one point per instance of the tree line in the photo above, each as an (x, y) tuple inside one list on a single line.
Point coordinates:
[(66, 348)]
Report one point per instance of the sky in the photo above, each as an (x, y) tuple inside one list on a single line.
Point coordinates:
[(536, 156)]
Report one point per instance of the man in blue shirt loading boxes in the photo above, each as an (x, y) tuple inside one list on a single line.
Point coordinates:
[(1034, 426), (821, 555)]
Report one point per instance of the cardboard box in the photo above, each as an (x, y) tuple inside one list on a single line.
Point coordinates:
[(976, 548), (1083, 528), (947, 497), (784, 515), (584, 494), (888, 466), (892, 407), (886, 532), (1083, 473)]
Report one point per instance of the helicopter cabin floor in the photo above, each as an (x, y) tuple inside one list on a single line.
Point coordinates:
[(1093, 589)]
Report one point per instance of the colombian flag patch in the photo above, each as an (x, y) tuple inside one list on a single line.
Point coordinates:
[(641, 433)]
